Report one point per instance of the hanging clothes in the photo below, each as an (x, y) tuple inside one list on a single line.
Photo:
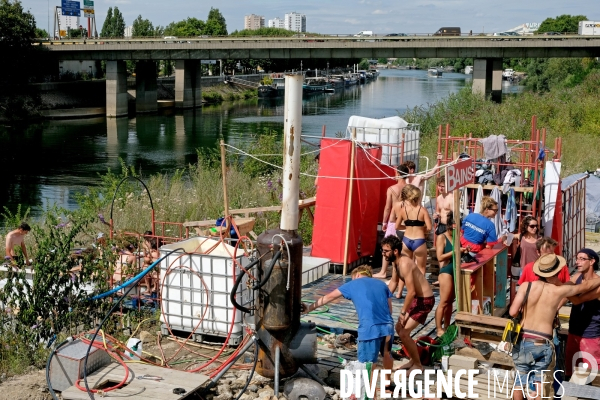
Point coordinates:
[(510, 178), (494, 146), (497, 220), (478, 198), (510, 217)]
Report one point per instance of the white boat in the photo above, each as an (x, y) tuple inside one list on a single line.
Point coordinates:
[(434, 72), (468, 69)]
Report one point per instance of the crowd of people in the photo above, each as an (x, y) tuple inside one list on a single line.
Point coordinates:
[(545, 284)]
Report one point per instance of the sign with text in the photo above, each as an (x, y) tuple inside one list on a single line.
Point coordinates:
[(208, 61), (88, 8), (460, 174), (71, 8)]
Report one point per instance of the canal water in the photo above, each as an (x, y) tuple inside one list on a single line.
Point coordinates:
[(48, 163)]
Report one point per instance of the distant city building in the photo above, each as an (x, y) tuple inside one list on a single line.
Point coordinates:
[(253, 22), (129, 31), (276, 23), (295, 22), (68, 22)]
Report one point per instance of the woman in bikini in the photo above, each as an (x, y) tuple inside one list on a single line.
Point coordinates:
[(445, 253), (393, 196), (418, 225)]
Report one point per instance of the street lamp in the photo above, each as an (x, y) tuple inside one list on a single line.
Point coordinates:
[(300, 67)]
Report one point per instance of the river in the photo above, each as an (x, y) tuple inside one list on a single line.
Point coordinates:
[(48, 163)]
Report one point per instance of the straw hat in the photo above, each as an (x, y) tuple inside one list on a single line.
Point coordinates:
[(549, 265)]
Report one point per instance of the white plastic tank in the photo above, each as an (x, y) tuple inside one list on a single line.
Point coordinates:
[(195, 292)]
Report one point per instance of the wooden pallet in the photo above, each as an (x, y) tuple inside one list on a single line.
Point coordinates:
[(140, 389)]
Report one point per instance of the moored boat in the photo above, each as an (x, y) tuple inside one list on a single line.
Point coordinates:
[(469, 70), (434, 72)]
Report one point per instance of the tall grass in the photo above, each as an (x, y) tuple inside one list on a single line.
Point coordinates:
[(568, 112)]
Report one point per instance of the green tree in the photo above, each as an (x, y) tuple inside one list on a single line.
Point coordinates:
[(107, 26), (114, 24), (186, 28), (215, 23), (41, 33), (563, 23), (17, 31), (142, 27)]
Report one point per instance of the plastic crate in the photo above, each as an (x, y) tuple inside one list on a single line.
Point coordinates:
[(184, 295)]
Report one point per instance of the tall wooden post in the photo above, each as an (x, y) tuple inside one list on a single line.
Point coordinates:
[(458, 279), (349, 213), (225, 198)]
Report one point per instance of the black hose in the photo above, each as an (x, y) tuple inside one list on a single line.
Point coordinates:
[(114, 307), (268, 271), (52, 393), (251, 371), (238, 280)]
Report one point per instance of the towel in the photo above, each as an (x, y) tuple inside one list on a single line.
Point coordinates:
[(494, 146)]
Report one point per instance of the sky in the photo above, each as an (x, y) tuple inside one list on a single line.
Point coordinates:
[(342, 16)]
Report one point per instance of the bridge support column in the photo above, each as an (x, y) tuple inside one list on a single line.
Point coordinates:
[(188, 92), (116, 89), (145, 87), (487, 78)]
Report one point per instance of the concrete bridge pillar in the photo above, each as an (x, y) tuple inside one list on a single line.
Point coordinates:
[(487, 78), (188, 92), (116, 88), (145, 87)]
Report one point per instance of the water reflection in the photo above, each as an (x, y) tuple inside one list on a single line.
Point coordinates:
[(49, 162)]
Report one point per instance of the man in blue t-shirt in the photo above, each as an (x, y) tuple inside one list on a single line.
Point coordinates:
[(372, 300)]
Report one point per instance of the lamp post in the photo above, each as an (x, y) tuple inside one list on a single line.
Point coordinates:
[(300, 67)]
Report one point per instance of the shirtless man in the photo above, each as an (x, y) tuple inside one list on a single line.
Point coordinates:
[(389, 216), (17, 238), (535, 351), (419, 299), (444, 204), (419, 180)]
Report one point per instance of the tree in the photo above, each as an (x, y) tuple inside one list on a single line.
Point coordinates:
[(215, 23), (563, 23), (41, 33), (114, 24), (142, 27), (107, 26), (186, 28), (17, 32)]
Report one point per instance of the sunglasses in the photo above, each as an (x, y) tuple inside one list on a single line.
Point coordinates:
[(583, 259), (533, 226)]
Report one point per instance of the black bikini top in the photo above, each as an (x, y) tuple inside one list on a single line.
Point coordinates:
[(413, 222)]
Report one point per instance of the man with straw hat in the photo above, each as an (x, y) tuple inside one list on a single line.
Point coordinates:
[(539, 302)]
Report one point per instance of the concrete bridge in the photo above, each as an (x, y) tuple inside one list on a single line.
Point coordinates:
[(487, 52)]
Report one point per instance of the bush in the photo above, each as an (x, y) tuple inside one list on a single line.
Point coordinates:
[(212, 97)]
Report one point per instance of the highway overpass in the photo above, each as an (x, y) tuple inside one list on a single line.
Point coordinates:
[(487, 52)]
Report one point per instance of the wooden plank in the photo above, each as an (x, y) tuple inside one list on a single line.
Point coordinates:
[(492, 187), (465, 318), (138, 389), (495, 356)]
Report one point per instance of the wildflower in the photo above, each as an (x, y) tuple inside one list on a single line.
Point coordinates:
[(61, 225), (269, 185), (34, 326)]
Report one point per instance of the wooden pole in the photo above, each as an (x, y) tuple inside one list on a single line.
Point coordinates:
[(458, 280), (225, 198), (349, 213)]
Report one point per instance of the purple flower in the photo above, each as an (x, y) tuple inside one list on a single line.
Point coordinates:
[(101, 218), (34, 326), (280, 196), (61, 225), (8, 310), (269, 185)]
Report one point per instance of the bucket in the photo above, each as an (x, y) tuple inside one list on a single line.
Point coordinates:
[(136, 346)]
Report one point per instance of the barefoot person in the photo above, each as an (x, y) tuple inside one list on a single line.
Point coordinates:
[(445, 253), (419, 297), (372, 300), (534, 353), (389, 217), (16, 238), (418, 224)]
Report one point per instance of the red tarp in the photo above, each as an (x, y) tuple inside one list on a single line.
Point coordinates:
[(333, 196)]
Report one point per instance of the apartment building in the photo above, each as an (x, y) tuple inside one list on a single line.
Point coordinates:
[(276, 23), (295, 22), (253, 22)]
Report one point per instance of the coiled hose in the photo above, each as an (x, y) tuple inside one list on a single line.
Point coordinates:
[(257, 286)]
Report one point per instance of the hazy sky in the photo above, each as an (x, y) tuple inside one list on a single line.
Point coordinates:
[(344, 17)]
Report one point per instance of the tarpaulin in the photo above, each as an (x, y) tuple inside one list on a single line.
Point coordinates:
[(333, 197)]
